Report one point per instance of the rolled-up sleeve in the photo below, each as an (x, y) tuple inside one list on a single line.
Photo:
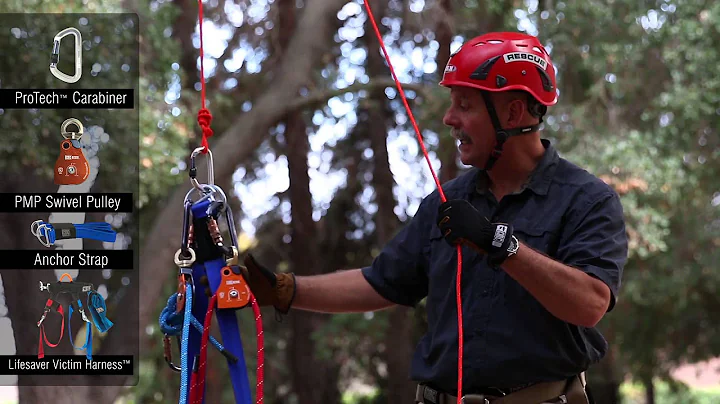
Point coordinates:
[(595, 241), (399, 272)]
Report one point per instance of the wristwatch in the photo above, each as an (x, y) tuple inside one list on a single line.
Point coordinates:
[(513, 247)]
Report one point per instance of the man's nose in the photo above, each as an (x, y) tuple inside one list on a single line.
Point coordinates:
[(450, 119)]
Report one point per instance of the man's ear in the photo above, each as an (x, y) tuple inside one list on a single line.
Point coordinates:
[(515, 113)]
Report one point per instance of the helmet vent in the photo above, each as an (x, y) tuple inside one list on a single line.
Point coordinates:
[(483, 70), (545, 78), (494, 41), (479, 44), (538, 50)]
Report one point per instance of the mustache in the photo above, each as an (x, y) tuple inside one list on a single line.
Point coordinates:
[(458, 134)]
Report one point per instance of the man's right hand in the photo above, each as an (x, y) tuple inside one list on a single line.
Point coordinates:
[(270, 288)]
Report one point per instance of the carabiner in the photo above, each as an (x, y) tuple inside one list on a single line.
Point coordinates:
[(55, 58), (41, 230), (167, 353), (193, 170), (71, 135)]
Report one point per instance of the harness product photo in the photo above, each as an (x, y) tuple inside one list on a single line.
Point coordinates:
[(48, 233), (79, 292), (71, 166), (55, 57)]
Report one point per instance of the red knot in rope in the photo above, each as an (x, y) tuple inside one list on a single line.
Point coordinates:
[(204, 120)]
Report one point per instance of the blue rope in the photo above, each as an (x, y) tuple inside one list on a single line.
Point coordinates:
[(184, 365), (171, 322), (88, 334)]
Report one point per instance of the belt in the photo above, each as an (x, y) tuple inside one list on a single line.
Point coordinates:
[(537, 393)]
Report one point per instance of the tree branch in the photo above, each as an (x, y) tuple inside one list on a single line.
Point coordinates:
[(321, 97)]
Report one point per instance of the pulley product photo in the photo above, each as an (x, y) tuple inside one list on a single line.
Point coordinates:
[(71, 166)]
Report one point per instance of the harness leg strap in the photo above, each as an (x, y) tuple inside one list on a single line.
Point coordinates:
[(49, 305)]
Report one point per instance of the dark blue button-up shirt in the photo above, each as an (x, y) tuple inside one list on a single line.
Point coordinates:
[(510, 338)]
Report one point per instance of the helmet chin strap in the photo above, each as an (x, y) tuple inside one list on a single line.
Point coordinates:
[(501, 135)]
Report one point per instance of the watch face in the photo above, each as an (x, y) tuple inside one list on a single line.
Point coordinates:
[(514, 245)]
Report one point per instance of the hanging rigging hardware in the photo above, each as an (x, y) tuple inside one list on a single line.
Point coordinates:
[(210, 171), (55, 57)]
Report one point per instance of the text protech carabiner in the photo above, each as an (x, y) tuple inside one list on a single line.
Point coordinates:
[(55, 58)]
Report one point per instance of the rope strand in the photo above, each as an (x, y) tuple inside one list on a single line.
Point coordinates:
[(204, 115), (440, 191)]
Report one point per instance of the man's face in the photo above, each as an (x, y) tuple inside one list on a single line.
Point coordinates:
[(471, 125)]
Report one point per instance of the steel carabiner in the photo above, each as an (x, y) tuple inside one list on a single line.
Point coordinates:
[(167, 353), (55, 57), (193, 170)]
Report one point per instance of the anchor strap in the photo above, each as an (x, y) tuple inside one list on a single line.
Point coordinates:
[(48, 233), (50, 305), (88, 327)]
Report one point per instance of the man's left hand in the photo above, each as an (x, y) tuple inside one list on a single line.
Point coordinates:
[(461, 223)]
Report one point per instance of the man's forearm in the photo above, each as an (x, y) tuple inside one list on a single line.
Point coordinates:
[(566, 292), (337, 292)]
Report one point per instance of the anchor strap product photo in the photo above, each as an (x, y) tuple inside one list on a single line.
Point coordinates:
[(48, 233)]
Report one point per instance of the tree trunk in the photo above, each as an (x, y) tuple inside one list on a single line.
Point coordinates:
[(398, 346), (603, 381), (319, 385), (649, 390), (444, 34)]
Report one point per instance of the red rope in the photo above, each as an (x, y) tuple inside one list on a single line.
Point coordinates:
[(204, 115), (260, 351), (442, 197), (197, 381)]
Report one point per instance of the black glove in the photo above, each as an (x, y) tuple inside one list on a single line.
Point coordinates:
[(461, 223)]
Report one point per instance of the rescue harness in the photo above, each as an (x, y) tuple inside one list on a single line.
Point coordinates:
[(78, 291)]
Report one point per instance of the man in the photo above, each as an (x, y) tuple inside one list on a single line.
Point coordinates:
[(544, 245)]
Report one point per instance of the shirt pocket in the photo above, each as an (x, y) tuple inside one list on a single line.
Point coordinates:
[(539, 236)]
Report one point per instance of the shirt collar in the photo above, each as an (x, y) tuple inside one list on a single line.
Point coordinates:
[(538, 181)]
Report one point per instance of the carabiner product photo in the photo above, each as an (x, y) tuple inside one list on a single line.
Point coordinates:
[(71, 167), (55, 58)]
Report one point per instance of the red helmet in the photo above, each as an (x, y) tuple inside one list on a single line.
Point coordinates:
[(503, 61)]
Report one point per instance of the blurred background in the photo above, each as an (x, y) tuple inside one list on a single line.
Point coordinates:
[(313, 143)]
